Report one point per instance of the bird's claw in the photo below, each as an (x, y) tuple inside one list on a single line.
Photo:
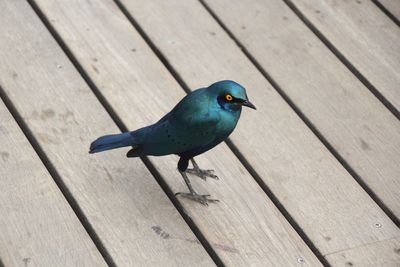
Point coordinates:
[(202, 199), (203, 174)]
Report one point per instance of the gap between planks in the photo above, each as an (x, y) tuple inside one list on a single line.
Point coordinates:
[(117, 120), (83, 73), (343, 59), (165, 44), (57, 179), (303, 117), (112, 204), (386, 11), (232, 147)]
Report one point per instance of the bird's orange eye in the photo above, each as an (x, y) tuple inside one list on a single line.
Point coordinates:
[(228, 97)]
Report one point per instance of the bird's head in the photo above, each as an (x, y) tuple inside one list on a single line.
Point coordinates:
[(230, 95)]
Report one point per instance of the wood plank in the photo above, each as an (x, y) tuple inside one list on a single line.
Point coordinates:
[(245, 228), (384, 253), (320, 195), (349, 117), (393, 6), (368, 38), (120, 198), (37, 225)]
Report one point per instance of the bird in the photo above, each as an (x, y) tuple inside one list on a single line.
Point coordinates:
[(200, 121)]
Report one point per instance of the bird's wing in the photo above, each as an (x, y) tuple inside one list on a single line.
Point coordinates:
[(190, 124), (193, 122)]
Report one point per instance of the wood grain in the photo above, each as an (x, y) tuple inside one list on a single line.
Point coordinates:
[(119, 197), (385, 253), (348, 116), (245, 228), (368, 38), (37, 225), (331, 208)]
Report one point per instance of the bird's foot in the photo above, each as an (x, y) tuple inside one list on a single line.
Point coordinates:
[(203, 199), (203, 174)]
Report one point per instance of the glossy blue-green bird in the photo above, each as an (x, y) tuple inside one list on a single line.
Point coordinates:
[(199, 122)]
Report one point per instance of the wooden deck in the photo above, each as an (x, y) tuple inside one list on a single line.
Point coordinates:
[(311, 178)]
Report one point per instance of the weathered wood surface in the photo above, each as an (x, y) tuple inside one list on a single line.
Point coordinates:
[(393, 6), (322, 197), (347, 115), (127, 209), (368, 38), (119, 197), (384, 253), (37, 225), (245, 228)]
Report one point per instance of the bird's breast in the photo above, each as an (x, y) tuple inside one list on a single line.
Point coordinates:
[(227, 123)]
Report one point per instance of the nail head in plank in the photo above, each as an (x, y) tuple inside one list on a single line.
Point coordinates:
[(314, 188), (245, 228)]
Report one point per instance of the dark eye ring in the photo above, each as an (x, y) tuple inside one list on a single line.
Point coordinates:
[(228, 97)]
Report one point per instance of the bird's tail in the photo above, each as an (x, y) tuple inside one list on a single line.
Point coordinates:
[(108, 142)]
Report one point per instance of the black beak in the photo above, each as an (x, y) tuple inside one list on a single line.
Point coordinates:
[(247, 103)]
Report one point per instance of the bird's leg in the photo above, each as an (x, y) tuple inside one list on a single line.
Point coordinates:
[(203, 174), (203, 199)]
